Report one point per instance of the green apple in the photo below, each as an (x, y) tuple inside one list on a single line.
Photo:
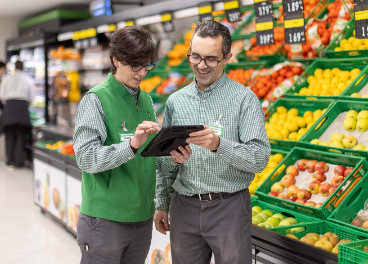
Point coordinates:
[(325, 143), (257, 209), (273, 221), (349, 141), (355, 95), (337, 137), (366, 148), (262, 225), (362, 125), (279, 216), (284, 223), (263, 215), (315, 141), (352, 114), (362, 114), (350, 124), (258, 218), (254, 222), (296, 229), (365, 96), (268, 212), (337, 144), (359, 147), (292, 220)]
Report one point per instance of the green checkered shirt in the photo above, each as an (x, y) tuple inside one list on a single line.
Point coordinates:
[(244, 147)]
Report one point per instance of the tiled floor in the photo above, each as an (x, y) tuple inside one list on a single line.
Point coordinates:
[(26, 235)]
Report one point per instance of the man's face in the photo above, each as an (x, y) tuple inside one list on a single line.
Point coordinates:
[(2, 71), (207, 48)]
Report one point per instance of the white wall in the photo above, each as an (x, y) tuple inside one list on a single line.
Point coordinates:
[(8, 30)]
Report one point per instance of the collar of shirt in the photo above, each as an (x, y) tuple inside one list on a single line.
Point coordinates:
[(219, 83), (133, 92)]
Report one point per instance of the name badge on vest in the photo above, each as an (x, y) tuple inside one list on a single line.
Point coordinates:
[(125, 136)]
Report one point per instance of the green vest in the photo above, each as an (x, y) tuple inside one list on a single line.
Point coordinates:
[(125, 193)]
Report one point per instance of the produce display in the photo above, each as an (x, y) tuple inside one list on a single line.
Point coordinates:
[(256, 50), (61, 147), (240, 75), (148, 84), (267, 219)]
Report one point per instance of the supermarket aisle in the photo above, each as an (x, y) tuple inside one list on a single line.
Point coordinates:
[(26, 235)]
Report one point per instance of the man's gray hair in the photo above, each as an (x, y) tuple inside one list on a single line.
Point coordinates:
[(213, 29)]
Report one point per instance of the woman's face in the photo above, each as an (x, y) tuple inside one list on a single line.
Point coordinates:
[(126, 76)]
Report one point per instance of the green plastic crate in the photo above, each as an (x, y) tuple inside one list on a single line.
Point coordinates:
[(358, 164), (302, 105), (346, 33), (353, 253), (350, 206), (287, 213), (324, 227), (327, 118), (342, 64)]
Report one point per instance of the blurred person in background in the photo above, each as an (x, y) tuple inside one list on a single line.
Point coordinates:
[(16, 91), (2, 73)]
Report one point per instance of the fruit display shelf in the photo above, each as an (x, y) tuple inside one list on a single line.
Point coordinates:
[(62, 148), (321, 204), (333, 124), (339, 232), (328, 74), (242, 72), (302, 106), (349, 207), (358, 91), (354, 252)]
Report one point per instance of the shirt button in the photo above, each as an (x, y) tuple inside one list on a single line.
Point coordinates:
[(204, 100), (201, 115), (220, 154)]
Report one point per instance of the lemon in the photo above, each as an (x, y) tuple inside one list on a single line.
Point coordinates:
[(356, 95), (281, 109), (309, 125), (343, 42), (280, 122), (303, 91), (308, 113), (267, 125), (354, 32), (351, 39), (285, 132), (318, 113), (360, 79), (311, 78), (278, 157), (341, 86), (335, 71), (273, 121), (301, 122), (366, 42), (338, 49), (278, 127), (362, 47), (356, 44), (252, 188), (318, 72), (347, 47), (316, 92), (344, 74), (276, 135), (282, 116), (326, 86), (293, 136), (292, 127), (272, 165), (327, 72), (298, 137), (319, 77), (355, 72), (275, 116), (293, 112), (336, 92)]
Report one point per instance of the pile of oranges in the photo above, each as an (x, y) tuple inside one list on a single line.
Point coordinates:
[(268, 49), (240, 75), (149, 84), (309, 5), (263, 86), (334, 10)]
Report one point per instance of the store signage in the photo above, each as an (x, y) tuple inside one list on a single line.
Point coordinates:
[(292, 6), (84, 39), (232, 11), (167, 23), (263, 8), (294, 29), (205, 11), (100, 8), (129, 23), (361, 21), (264, 33), (360, 2)]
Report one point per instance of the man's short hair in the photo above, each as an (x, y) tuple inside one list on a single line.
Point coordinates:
[(214, 29), (19, 65)]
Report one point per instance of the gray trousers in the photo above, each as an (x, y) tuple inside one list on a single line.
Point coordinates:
[(103, 241), (221, 226)]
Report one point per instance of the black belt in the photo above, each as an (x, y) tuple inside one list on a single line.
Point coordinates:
[(212, 196)]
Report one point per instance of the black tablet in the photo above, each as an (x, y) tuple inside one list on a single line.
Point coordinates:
[(168, 139)]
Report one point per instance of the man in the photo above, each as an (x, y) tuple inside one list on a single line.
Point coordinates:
[(210, 210), (17, 91), (113, 123)]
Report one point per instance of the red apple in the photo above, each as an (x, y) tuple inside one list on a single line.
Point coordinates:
[(318, 205), (275, 194), (292, 190), (347, 172), (282, 196), (318, 176), (301, 201), (314, 186), (310, 203), (339, 170), (277, 187), (311, 164), (332, 189), (321, 167), (302, 164), (357, 222), (287, 180), (303, 194), (293, 199), (292, 170), (337, 180), (324, 189)]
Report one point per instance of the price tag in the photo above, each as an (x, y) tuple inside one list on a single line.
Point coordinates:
[(292, 6), (167, 23), (263, 8), (358, 2), (232, 11), (294, 29), (129, 23), (361, 21), (205, 11), (264, 33), (84, 39)]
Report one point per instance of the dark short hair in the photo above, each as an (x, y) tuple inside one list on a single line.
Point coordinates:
[(133, 46), (2, 65), (213, 29), (19, 65)]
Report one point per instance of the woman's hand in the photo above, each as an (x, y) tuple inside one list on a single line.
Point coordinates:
[(142, 133)]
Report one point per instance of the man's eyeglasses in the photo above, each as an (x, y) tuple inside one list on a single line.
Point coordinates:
[(147, 67), (210, 62)]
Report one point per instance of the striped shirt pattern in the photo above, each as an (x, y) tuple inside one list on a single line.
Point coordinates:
[(244, 147)]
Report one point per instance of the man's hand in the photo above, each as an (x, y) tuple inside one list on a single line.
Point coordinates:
[(183, 156), (161, 219), (204, 138), (142, 133)]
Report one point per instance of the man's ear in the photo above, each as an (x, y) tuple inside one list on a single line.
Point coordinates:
[(228, 57)]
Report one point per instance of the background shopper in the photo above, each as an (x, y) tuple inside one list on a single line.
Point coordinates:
[(210, 210)]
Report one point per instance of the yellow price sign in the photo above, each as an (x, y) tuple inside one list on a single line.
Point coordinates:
[(293, 23), (231, 5), (166, 17)]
